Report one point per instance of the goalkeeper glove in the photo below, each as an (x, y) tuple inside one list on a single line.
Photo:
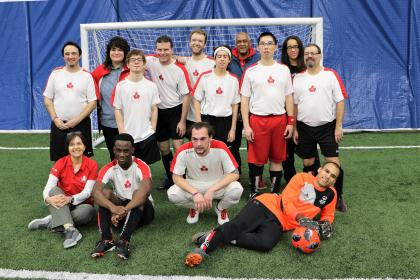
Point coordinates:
[(309, 223), (325, 229)]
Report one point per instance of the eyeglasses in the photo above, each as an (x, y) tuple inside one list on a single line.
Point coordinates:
[(135, 60), (269, 43), (310, 53), (296, 47)]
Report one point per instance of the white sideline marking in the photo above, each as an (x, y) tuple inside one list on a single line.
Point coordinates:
[(341, 148)]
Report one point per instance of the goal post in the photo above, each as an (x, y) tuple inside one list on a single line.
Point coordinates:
[(142, 35)]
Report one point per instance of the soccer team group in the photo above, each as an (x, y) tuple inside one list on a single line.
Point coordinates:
[(144, 101)]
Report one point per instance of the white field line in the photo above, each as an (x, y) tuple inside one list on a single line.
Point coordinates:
[(34, 274), (341, 148)]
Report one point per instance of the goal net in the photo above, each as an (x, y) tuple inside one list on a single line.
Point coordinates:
[(142, 35)]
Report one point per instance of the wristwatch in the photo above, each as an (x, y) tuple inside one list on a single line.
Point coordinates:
[(72, 200)]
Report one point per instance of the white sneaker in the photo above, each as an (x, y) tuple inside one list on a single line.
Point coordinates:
[(43, 223), (222, 216), (192, 216), (71, 236)]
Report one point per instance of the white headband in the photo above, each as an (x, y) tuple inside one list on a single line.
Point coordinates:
[(222, 48)]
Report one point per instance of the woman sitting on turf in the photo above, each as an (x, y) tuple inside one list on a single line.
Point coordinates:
[(68, 192)]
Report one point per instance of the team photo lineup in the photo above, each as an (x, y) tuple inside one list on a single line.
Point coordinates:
[(191, 113)]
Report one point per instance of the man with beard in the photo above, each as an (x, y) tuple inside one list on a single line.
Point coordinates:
[(210, 173), (197, 64), (319, 109), (128, 202)]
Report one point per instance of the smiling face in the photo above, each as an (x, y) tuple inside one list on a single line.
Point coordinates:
[(201, 141), (312, 57), (123, 151), (136, 64), (197, 43), (117, 56), (76, 147), (71, 56), (243, 44), (327, 175), (292, 49), (164, 52)]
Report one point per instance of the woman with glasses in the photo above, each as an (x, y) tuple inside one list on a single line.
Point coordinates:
[(67, 193), (106, 76), (292, 57), (216, 97)]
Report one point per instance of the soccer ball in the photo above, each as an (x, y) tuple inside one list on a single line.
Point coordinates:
[(305, 240)]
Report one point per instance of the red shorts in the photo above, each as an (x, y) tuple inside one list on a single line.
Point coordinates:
[(269, 142)]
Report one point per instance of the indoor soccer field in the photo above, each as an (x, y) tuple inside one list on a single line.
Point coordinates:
[(377, 238)]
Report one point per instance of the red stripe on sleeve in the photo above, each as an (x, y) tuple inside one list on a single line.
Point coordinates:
[(340, 82), (144, 168), (216, 144), (183, 147)]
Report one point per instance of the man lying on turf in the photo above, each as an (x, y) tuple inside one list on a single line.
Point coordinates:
[(259, 225)]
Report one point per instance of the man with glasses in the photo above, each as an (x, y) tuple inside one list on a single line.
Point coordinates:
[(267, 94), (319, 109), (243, 56), (135, 100), (171, 78), (69, 97), (210, 173)]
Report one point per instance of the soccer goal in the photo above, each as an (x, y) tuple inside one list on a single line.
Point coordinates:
[(142, 35)]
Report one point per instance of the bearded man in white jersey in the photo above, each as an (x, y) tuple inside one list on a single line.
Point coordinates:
[(174, 89), (319, 108)]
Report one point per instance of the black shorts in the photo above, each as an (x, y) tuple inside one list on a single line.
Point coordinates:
[(148, 212), (322, 135), (168, 120), (58, 139), (221, 126), (147, 150)]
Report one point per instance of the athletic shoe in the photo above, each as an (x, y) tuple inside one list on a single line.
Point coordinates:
[(200, 237), (194, 258), (341, 205), (102, 247), (166, 184), (71, 236), (122, 249), (222, 216), (44, 223), (192, 216)]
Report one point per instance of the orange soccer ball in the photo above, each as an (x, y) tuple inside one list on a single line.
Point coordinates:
[(305, 240)]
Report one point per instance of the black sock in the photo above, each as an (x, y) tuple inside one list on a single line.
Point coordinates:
[(313, 169), (131, 223), (339, 183), (104, 222), (255, 176), (275, 180), (166, 160)]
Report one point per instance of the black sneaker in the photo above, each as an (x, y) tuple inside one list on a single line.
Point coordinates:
[(102, 247), (166, 184), (200, 237), (122, 249)]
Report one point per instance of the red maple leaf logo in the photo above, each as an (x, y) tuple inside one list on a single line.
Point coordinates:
[(195, 73), (312, 89), (219, 91), (127, 184), (204, 168), (161, 77), (136, 95), (270, 80), (70, 85)]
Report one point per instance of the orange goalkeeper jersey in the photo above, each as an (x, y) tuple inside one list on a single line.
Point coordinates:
[(301, 196)]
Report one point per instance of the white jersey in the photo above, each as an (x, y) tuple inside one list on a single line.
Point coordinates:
[(316, 96), (172, 81), (70, 92), (210, 168), (217, 94), (135, 100), (195, 68), (267, 88), (125, 182)]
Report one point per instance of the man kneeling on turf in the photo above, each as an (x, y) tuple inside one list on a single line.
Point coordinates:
[(259, 225), (128, 202), (211, 172)]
